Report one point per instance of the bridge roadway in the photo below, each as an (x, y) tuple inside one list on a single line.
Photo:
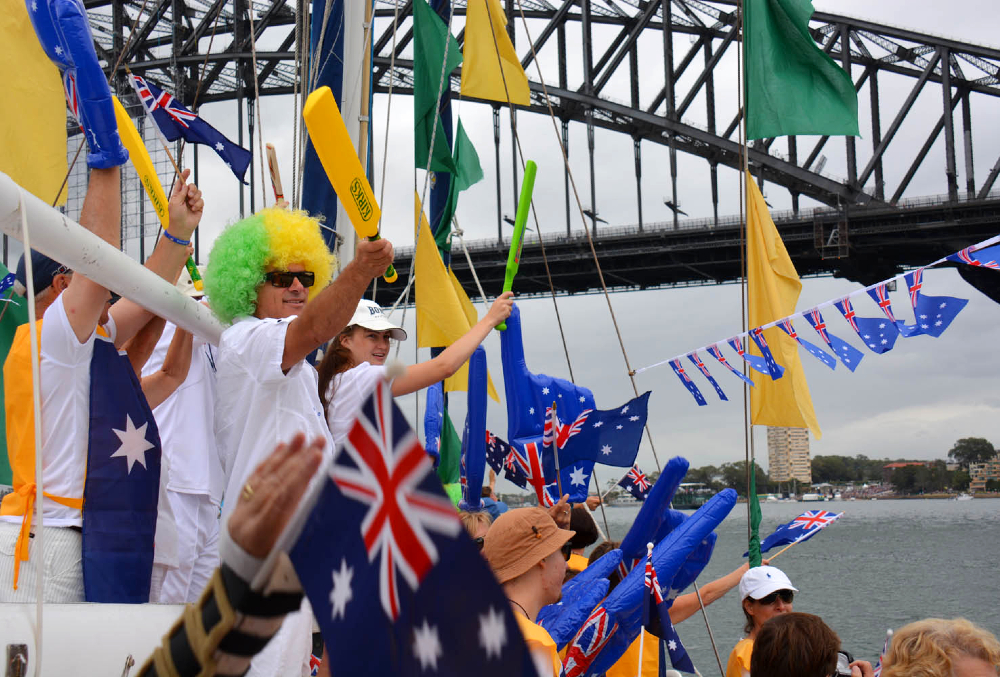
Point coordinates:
[(865, 245)]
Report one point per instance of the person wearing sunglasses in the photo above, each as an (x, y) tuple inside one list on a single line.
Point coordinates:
[(528, 552), (765, 592), (269, 275)]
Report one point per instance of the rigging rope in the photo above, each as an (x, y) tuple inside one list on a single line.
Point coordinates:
[(256, 106), (583, 218)]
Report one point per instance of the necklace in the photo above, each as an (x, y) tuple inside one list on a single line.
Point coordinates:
[(514, 602)]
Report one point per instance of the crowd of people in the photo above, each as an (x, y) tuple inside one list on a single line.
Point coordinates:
[(227, 426)]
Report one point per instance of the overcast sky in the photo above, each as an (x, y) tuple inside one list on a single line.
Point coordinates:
[(914, 401)]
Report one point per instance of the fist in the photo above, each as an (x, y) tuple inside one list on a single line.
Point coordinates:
[(501, 308), (374, 257)]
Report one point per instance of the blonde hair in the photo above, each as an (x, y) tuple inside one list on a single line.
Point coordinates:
[(472, 521), (928, 648)]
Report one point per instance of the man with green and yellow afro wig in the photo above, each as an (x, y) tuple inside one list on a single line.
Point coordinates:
[(269, 275), (270, 239)]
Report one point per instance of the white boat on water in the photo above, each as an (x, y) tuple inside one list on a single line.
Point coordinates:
[(811, 498), (964, 497)]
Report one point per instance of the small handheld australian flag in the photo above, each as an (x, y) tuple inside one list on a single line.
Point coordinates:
[(382, 547), (656, 618), (636, 483)]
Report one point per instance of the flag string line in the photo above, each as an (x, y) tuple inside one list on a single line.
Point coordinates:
[(825, 304)]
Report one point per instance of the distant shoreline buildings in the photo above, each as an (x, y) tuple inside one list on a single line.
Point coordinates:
[(788, 455)]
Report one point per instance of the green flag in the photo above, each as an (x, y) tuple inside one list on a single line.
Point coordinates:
[(430, 35), (13, 313), (754, 505), (792, 86), (468, 172), (449, 467)]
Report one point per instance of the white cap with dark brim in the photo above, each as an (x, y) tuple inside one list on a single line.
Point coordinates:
[(761, 581), (370, 316)]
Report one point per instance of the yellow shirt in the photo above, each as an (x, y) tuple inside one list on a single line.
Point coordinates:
[(628, 664), (538, 640), (739, 659)]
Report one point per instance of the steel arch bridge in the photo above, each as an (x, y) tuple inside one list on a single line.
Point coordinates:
[(917, 96)]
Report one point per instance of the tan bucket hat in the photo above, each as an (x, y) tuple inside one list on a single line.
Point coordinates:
[(519, 539)]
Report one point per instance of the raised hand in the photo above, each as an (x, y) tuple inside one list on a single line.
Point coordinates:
[(185, 207)]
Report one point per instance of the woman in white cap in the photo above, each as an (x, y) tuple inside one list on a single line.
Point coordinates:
[(355, 361), (765, 592)]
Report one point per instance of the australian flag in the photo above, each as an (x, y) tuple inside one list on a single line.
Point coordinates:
[(773, 368), (687, 382), (754, 361), (878, 334), (933, 313), (592, 637), (7, 282), (610, 436), (802, 528), (985, 257), (382, 546), (176, 122), (656, 619), (811, 348), (496, 452), (636, 483), (715, 352), (123, 483), (848, 354), (696, 361)]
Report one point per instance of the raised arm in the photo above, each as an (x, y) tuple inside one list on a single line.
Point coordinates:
[(84, 299), (685, 606), (327, 314), (161, 385), (421, 375), (185, 208), (141, 346)]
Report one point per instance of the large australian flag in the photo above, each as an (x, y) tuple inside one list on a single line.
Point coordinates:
[(381, 548), (177, 122), (123, 483)]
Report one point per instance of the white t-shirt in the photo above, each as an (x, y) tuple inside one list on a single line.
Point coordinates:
[(258, 406), (350, 389), (186, 421), (65, 386)]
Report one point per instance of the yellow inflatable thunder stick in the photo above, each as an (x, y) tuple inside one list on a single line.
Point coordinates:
[(147, 176), (343, 168)]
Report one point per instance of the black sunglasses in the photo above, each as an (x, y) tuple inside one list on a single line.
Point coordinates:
[(285, 278), (480, 542), (567, 550), (785, 595)]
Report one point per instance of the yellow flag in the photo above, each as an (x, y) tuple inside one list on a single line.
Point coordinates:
[(444, 311), (32, 107), (488, 50), (773, 290)]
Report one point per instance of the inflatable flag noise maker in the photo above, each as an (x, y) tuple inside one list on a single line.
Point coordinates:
[(340, 161), (523, 205)]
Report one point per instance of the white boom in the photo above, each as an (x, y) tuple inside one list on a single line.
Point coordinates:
[(66, 241)]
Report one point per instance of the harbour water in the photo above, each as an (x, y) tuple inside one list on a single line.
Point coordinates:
[(883, 564)]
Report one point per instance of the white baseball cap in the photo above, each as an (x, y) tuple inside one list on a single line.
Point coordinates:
[(370, 316), (761, 581)]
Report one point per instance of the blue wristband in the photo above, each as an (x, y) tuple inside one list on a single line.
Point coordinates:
[(175, 240)]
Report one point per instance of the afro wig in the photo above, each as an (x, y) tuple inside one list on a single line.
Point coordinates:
[(271, 238)]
